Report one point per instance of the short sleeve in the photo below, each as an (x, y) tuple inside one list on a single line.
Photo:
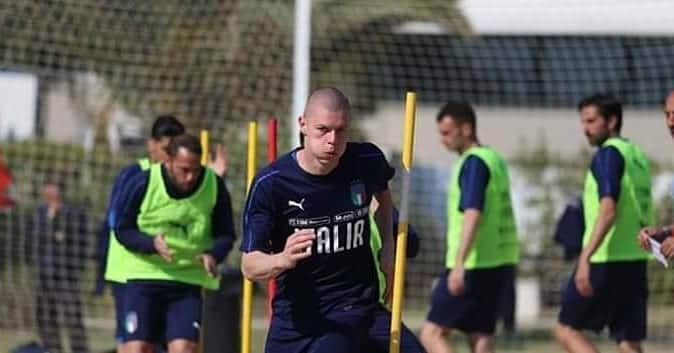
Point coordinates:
[(607, 168), (378, 171), (258, 217), (473, 180)]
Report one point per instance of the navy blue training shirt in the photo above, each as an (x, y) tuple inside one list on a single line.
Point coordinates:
[(133, 193), (473, 179), (109, 222), (340, 274), (607, 167)]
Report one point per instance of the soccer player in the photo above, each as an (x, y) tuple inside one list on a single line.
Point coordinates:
[(482, 244), (110, 252), (664, 235), (609, 286), (306, 224), (176, 223)]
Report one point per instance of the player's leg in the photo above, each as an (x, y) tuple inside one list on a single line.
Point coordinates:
[(183, 318), (508, 299), (379, 335), (580, 313), (143, 317), (628, 326), (335, 342), (434, 338), (118, 298), (284, 336), (486, 288), (182, 346), (573, 339), (292, 342), (447, 312)]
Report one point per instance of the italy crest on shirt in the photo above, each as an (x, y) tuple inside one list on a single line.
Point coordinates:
[(358, 193)]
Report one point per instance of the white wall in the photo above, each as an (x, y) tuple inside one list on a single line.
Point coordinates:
[(609, 17), (18, 99), (509, 130)]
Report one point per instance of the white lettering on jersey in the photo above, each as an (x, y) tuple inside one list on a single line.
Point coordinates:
[(328, 241), (323, 240), (359, 229)]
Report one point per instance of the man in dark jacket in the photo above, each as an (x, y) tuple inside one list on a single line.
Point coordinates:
[(59, 253)]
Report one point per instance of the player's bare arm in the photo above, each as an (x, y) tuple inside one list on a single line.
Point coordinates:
[(605, 220), (260, 266), (471, 217)]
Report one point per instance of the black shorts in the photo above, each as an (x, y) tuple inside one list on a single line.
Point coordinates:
[(475, 310), (619, 301), (367, 332), (160, 311)]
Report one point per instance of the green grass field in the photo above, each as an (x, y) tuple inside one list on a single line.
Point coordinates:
[(530, 340)]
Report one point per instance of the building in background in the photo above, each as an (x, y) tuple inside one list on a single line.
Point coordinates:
[(18, 105)]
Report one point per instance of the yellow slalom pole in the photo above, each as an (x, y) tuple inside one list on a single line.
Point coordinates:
[(246, 311), (401, 244), (204, 147)]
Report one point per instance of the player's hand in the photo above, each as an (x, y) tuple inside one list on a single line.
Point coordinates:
[(298, 247), (210, 265), (162, 248), (582, 279), (455, 281), (667, 248), (643, 236), (219, 161)]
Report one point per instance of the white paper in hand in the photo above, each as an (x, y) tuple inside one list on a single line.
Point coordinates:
[(655, 250)]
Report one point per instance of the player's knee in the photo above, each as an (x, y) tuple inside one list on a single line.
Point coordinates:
[(562, 332), (182, 346), (432, 332)]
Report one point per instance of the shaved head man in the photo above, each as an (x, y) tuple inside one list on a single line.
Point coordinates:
[(306, 223)]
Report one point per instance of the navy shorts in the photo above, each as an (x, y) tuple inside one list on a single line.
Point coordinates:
[(475, 310), (380, 335), (159, 311), (118, 297), (369, 333), (619, 301)]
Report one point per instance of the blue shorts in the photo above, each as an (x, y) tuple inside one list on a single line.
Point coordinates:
[(369, 333), (619, 301), (118, 297), (159, 311), (380, 335), (475, 310)]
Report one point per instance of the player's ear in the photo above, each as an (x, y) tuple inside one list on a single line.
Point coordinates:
[(612, 123), (466, 130), (302, 121), (149, 145)]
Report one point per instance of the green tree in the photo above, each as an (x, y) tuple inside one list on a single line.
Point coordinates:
[(209, 61)]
